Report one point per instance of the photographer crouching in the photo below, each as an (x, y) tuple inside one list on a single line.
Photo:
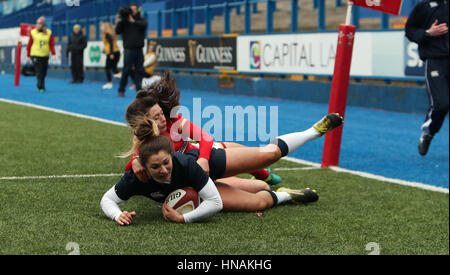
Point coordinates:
[(132, 27)]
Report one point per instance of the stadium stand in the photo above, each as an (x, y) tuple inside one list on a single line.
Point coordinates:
[(209, 18), (207, 15)]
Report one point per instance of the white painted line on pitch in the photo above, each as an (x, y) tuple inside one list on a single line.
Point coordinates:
[(300, 161), (62, 112), (60, 176), (295, 168), (372, 176), (115, 175), (396, 181)]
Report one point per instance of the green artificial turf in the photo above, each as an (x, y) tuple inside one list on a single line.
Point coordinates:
[(44, 215)]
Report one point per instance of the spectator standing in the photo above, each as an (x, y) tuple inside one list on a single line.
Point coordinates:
[(112, 53), (77, 44)]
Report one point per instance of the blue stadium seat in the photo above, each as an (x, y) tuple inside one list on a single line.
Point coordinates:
[(94, 11)]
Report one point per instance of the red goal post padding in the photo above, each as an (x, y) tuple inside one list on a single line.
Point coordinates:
[(341, 75), (25, 30), (338, 94)]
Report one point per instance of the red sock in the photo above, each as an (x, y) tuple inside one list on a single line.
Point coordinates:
[(261, 174)]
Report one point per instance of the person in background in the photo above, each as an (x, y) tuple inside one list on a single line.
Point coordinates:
[(112, 52), (133, 78), (150, 60), (40, 44), (77, 44), (427, 25), (132, 27)]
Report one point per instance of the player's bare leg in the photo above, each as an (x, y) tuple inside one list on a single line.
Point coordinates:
[(248, 185), (234, 199), (245, 159), (262, 174)]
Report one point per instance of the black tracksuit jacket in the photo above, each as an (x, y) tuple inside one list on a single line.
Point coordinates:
[(420, 19)]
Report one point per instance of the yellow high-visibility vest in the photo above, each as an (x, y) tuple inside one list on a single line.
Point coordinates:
[(41, 43)]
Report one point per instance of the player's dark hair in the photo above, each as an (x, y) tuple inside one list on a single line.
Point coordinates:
[(167, 93), (139, 107), (164, 93), (149, 142)]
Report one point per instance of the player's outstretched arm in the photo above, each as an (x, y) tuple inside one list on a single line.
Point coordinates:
[(110, 206)]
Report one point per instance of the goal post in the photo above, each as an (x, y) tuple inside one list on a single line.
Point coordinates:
[(339, 88)]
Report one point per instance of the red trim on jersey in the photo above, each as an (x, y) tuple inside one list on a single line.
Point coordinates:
[(30, 42), (177, 129), (52, 45)]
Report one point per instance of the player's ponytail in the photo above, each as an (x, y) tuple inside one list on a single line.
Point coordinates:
[(164, 93), (149, 142), (145, 128), (142, 94), (167, 93)]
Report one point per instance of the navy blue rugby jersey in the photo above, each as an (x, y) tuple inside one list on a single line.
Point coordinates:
[(185, 173)]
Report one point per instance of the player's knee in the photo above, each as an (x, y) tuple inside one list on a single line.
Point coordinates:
[(271, 154), (263, 185), (265, 204), (260, 204)]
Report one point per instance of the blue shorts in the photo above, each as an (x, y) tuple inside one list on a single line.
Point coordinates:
[(217, 162)]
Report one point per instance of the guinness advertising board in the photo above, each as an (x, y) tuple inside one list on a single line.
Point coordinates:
[(215, 53)]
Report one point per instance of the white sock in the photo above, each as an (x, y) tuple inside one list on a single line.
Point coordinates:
[(282, 197), (294, 141)]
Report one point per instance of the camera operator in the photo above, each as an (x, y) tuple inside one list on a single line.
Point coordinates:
[(132, 27)]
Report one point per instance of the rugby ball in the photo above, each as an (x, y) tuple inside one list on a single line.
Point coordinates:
[(183, 200)]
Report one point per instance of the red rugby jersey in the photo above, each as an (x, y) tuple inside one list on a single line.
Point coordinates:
[(179, 130)]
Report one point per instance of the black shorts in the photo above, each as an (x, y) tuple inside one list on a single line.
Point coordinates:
[(217, 162)]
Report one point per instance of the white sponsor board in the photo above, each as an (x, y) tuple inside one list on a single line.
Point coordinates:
[(94, 56), (374, 53), (10, 37)]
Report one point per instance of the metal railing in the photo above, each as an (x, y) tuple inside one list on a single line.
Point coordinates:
[(185, 17)]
